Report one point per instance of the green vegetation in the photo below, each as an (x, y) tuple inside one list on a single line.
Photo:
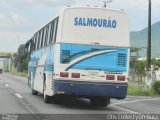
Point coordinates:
[(14, 72), (21, 59), (140, 91), (138, 69), (20, 62), (138, 74), (156, 87)]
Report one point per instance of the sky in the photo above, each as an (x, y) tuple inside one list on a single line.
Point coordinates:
[(20, 19)]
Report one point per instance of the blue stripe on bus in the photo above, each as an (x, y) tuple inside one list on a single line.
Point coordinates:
[(37, 55), (108, 61)]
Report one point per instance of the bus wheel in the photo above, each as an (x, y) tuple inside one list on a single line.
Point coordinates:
[(57, 99), (104, 101), (34, 92), (47, 99), (99, 101)]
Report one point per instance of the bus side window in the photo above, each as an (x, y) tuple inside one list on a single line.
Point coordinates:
[(28, 48), (38, 40), (32, 47), (49, 31), (55, 29), (41, 38), (46, 35), (34, 40)]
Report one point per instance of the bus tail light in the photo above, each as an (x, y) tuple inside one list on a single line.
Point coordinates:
[(75, 75), (121, 78), (64, 74), (110, 77)]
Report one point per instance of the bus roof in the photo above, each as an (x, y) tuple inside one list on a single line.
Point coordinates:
[(91, 7)]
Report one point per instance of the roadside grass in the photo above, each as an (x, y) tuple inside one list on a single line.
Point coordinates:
[(24, 74), (140, 91)]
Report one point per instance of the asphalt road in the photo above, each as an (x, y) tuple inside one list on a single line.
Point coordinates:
[(16, 98)]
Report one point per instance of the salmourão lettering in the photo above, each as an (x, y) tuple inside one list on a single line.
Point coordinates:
[(94, 22)]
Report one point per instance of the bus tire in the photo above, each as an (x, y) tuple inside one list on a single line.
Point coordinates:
[(104, 101), (93, 102), (34, 92), (99, 101), (47, 99), (57, 99)]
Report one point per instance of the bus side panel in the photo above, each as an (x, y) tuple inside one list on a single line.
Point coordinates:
[(41, 62)]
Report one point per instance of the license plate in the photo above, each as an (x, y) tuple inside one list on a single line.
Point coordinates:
[(93, 73)]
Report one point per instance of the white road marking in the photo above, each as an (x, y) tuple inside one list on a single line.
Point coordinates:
[(6, 85), (133, 101), (18, 95), (124, 109)]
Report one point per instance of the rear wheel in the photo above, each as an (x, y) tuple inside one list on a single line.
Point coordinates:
[(99, 101), (47, 99), (34, 92), (57, 99)]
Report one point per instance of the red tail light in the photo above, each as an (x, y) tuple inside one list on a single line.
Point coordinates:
[(121, 78), (75, 75), (64, 74), (110, 77)]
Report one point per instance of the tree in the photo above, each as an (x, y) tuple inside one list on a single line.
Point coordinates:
[(140, 70), (135, 49), (155, 67), (134, 57), (21, 61), (155, 63), (134, 52)]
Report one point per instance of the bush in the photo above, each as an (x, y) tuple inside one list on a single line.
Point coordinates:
[(156, 87)]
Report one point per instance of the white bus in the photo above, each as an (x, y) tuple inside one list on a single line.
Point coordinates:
[(1, 67), (83, 52)]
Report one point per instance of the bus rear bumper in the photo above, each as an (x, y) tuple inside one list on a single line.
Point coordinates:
[(89, 89)]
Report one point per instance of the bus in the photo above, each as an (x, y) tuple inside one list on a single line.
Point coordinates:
[(1, 67), (84, 53)]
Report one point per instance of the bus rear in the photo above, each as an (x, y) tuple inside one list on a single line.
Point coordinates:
[(92, 54)]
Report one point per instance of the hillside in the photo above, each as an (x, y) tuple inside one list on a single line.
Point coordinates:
[(139, 39)]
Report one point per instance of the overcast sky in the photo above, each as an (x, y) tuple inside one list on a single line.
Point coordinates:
[(19, 19)]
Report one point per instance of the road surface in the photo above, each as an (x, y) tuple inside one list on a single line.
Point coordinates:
[(16, 98)]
